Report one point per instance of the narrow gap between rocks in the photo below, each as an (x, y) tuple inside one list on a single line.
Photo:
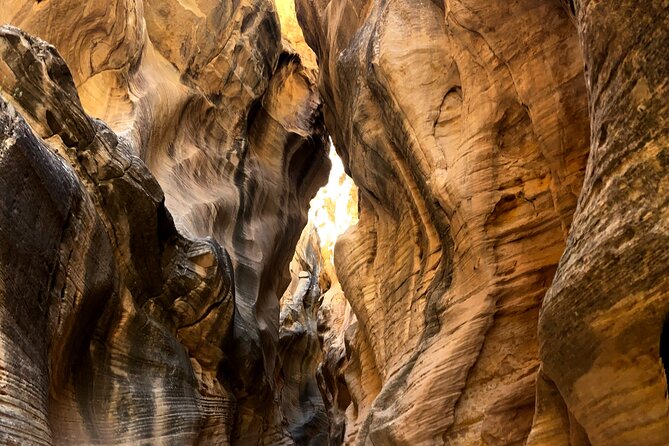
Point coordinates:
[(314, 317), (334, 209), (664, 350)]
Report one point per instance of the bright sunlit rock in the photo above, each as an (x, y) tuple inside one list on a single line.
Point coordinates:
[(335, 207)]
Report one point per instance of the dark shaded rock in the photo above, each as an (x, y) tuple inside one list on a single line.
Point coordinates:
[(130, 331), (300, 352), (602, 320)]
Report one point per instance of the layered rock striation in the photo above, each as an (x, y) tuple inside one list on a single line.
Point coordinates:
[(113, 323), (603, 328), (465, 126), (505, 281), (156, 173)]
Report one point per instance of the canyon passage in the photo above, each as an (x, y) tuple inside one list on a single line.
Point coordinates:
[(334, 222)]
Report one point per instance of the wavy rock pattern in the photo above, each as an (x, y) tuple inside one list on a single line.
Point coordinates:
[(156, 166), (93, 333), (141, 332), (604, 320), (464, 123), (299, 345), (465, 126)]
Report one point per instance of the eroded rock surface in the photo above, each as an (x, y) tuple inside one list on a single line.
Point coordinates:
[(300, 352), (336, 329), (94, 302), (601, 326), (124, 317), (465, 126), (156, 166)]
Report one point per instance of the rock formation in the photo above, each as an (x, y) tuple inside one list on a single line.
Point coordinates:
[(336, 326), (465, 126), (299, 347), (601, 324), (124, 317), (506, 280), (98, 285)]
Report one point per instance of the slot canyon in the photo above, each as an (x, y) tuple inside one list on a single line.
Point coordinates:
[(334, 222)]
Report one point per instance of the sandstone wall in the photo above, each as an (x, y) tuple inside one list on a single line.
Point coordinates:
[(505, 283), (179, 341), (601, 326), (465, 125)]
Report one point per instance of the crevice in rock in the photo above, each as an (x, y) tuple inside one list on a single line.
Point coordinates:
[(312, 323), (664, 352)]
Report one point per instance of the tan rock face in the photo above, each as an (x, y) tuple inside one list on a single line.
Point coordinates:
[(505, 282), (145, 329), (464, 123), (465, 126), (601, 325)]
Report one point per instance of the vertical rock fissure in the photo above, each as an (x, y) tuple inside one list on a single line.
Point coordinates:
[(312, 320), (664, 352)]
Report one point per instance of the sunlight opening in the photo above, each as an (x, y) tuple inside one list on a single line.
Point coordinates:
[(335, 208)]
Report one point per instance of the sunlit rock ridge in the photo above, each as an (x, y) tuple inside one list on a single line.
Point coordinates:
[(185, 260)]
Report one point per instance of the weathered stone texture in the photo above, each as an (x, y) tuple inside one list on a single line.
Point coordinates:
[(300, 352), (145, 328), (603, 317), (465, 126), (505, 284)]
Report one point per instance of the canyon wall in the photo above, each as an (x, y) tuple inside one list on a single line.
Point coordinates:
[(156, 168), (604, 319), (505, 282), (466, 126)]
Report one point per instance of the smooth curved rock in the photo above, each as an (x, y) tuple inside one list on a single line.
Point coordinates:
[(464, 123), (155, 175), (208, 98), (94, 332)]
